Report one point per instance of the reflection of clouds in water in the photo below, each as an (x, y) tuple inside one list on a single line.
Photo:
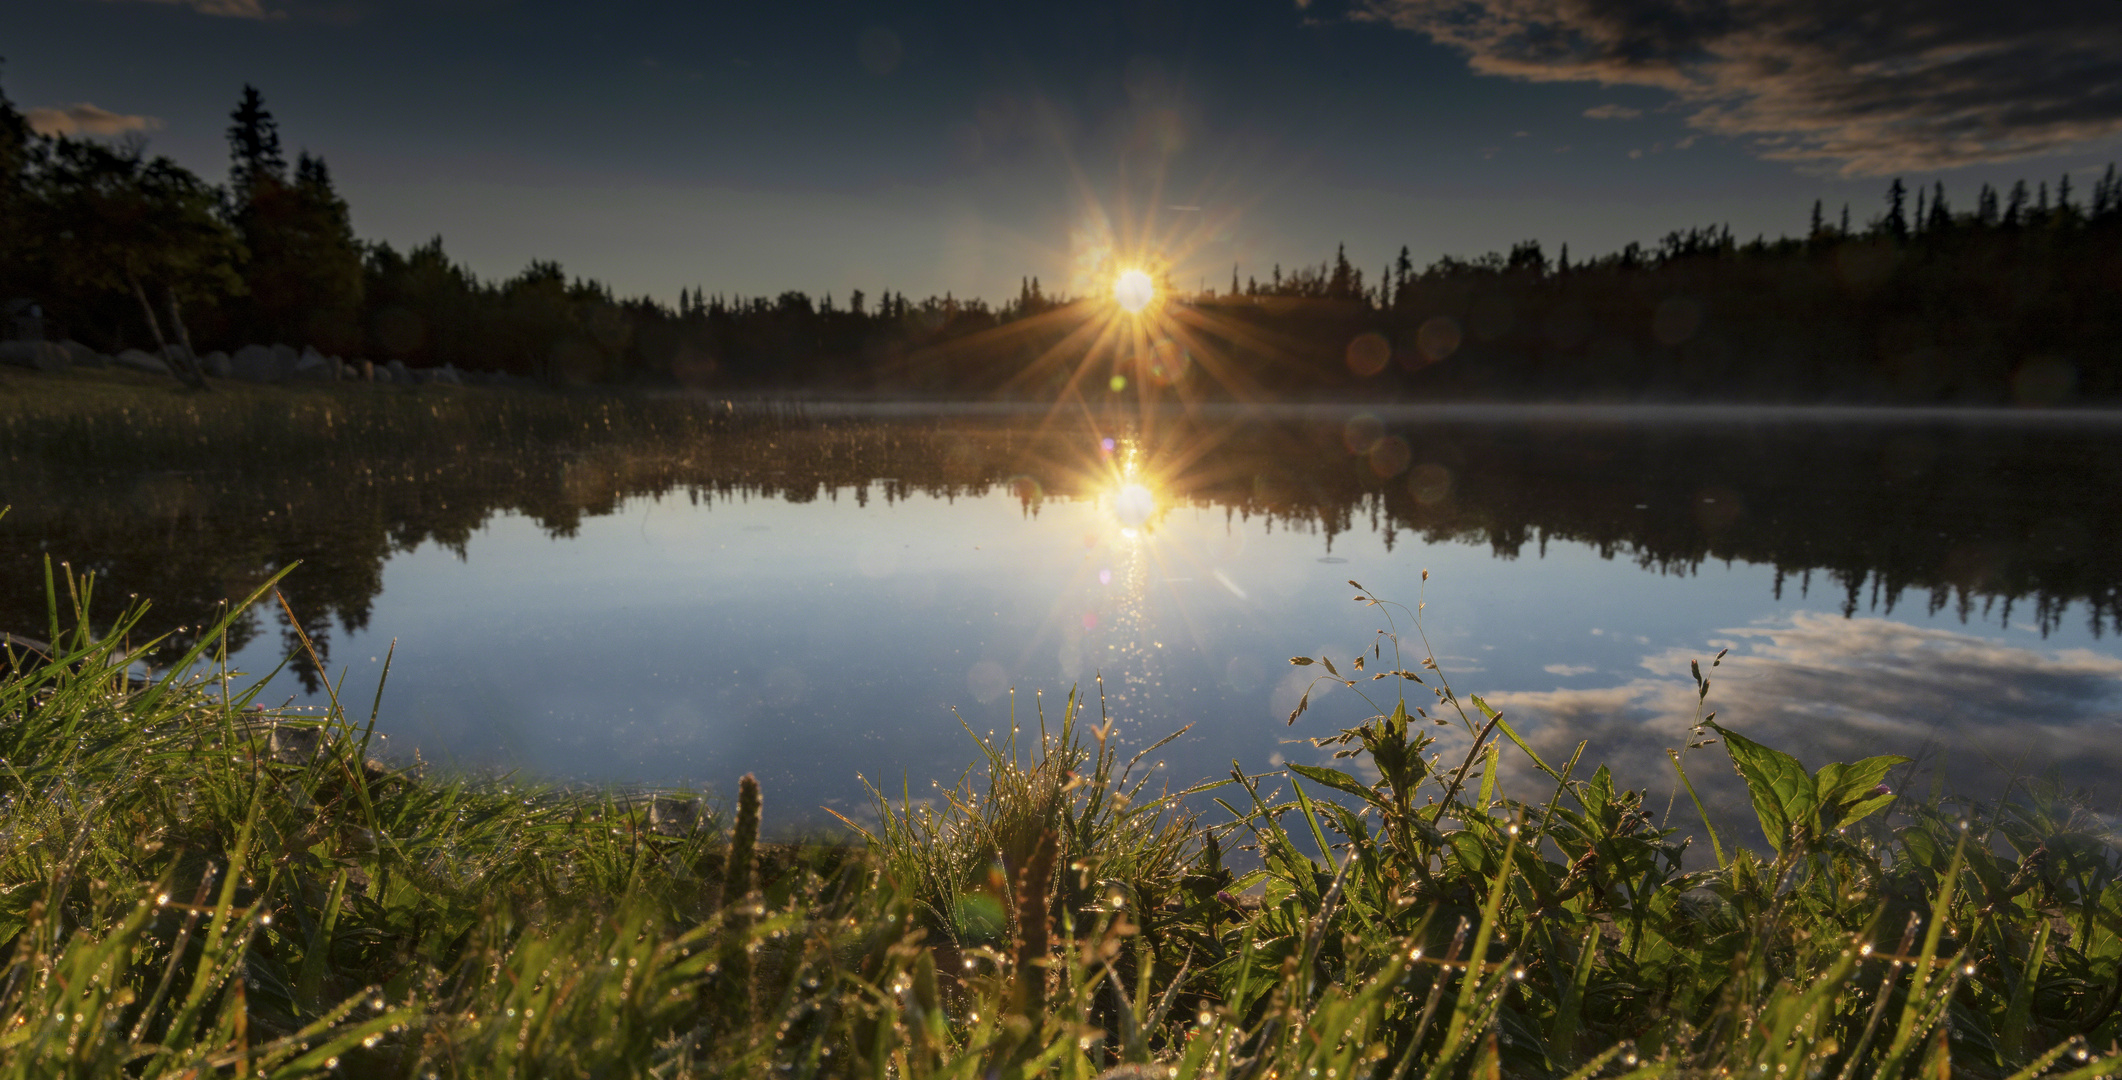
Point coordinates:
[(1824, 688), (1245, 672), (987, 680)]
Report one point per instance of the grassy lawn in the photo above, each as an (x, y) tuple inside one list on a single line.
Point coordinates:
[(193, 886)]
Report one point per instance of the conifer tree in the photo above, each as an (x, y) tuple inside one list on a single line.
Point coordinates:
[(304, 275), (1341, 284), (254, 148), (16, 146)]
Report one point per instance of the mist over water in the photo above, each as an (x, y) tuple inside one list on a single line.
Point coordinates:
[(837, 596)]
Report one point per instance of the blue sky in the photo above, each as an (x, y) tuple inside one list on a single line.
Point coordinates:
[(932, 147)]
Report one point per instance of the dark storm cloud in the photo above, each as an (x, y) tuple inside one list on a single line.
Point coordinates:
[(82, 118), (1823, 688), (1865, 89)]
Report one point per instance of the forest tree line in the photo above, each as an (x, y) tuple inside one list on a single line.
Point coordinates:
[(2017, 298)]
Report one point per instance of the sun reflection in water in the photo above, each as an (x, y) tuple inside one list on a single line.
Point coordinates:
[(1133, 505)]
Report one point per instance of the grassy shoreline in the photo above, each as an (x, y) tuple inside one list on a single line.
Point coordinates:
[(192, 886)]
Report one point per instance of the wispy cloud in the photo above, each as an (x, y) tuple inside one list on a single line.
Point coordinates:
[(1612, 112), (82, 118), (233, 9), (1569, 670), (1860, 89)]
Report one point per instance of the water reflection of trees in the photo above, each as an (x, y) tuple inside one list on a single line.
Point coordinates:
[(194, 509)]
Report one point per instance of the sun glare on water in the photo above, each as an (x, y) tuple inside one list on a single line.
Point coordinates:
[(1133, 290), (1134, 505)]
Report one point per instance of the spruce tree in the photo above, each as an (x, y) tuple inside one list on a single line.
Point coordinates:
[(1896, 210), (304, 275), (253, 148)]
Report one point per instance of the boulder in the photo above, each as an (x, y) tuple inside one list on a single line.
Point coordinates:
[(83, 356), (256, 363), (313, 366), (399, 373), (40, 355), (141, 361), (361, 371), (217, 364), (447, 373)]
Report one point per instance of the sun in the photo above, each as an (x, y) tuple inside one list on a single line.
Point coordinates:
[(1133, 290)]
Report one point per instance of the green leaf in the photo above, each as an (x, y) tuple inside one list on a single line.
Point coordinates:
[(1781, 791), (1337, 780), (1599, 793), (1488, 777), (1845, 791), (1473, 857)]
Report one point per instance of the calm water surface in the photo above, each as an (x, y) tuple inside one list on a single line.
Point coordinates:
[(830, 599)]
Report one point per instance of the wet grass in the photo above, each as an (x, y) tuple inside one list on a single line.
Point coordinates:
[(191, 886)]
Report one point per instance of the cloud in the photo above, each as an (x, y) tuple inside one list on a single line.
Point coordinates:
[(1569, 670), (1859, 89), (234, 9), (82, 118), (1822, 688), (1612, 112)]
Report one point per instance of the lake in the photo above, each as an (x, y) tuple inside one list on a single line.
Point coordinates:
[(833, 594)]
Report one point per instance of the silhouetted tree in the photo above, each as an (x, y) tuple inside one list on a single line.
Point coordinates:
[(17, 145), (114, 221), (254, 147), (1896, 222), (304, 274)]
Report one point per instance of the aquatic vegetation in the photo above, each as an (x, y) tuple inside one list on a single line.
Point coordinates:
[(190, 884)]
